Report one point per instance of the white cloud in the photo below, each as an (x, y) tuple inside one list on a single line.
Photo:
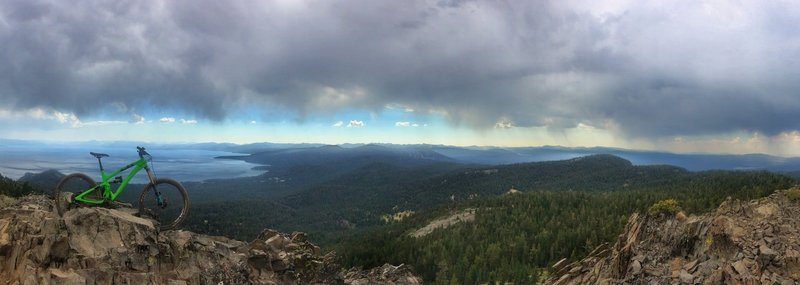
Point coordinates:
[(585, 126), (253, 122), (71, 119), (188, 122), (504, 123), (136, 119), (404, 108), (167, 120), (337, 124), (121, 107), (791, 136), (329, 97), (356, 124), (67, 118), (103, 123), (407, 124)]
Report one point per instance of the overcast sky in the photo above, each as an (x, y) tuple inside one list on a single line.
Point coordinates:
[(707, 76)]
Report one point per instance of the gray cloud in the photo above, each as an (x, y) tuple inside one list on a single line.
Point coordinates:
[(653, 69)]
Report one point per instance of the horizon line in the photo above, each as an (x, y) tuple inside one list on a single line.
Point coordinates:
[(398, 144)]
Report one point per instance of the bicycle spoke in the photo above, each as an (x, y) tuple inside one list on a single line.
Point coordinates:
[(68, 187), (168, 207)]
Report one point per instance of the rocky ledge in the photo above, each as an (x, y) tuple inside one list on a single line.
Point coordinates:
[(113, 246), (753, 242)]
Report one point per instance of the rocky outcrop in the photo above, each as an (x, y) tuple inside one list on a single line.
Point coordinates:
[(752, 242), (114, 246), (387, 274)]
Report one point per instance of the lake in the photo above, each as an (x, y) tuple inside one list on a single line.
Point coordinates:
[(16, 159)]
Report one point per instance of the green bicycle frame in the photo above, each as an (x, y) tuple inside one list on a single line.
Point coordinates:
[(109, 195)]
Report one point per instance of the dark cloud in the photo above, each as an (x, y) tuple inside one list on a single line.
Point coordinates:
[(651, 69)]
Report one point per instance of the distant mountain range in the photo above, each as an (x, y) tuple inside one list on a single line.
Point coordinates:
[(303, 154), (285, 154)]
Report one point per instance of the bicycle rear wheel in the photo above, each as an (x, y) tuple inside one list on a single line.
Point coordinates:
[(174, 204), (71, 185)]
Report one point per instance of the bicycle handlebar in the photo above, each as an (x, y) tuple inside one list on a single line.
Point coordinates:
[(141, 150)]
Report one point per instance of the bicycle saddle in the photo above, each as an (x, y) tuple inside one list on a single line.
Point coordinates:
[(98, 155)]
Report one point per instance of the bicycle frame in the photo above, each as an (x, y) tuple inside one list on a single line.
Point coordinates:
[(108, 194)]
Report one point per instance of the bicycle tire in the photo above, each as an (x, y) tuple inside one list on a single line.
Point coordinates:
[(167, 187), (62, 205)]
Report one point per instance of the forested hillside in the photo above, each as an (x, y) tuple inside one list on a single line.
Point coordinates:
[(356, 201), (513, 237), (12, 188)]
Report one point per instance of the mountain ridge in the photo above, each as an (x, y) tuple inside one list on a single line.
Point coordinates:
[(510, 155)]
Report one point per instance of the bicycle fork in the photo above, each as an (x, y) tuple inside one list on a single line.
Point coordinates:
[(162, 202)]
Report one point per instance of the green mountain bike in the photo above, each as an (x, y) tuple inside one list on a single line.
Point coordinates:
[(163, 199)]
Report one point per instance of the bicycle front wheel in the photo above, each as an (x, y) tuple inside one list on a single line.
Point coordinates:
[(70, 186), (165, 201)]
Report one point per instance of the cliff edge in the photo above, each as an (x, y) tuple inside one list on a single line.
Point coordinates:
[(113, 246), (753, 242)]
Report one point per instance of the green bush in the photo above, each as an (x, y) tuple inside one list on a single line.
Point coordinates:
[(666, 207), (793, 194)]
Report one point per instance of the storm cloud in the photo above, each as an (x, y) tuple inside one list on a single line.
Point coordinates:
[(639, 68)]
